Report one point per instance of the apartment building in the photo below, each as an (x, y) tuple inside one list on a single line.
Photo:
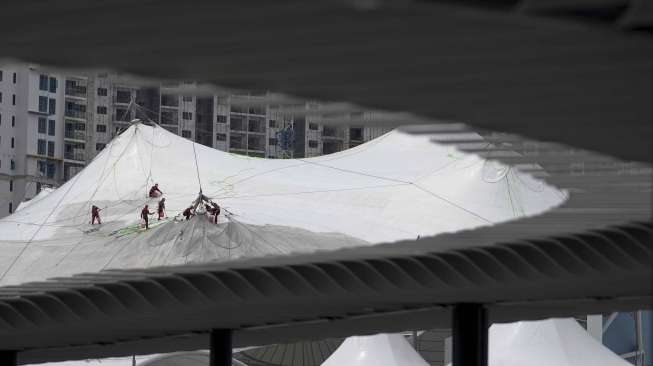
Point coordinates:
[(53, 123)]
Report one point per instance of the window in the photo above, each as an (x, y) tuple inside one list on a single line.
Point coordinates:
[(185, 133), (51, 148), (13, 121), (123, 96), (102, 92), (11, 186), (41, 166), (13, 99), (221, 137), (101, 109), (187, 115), (0, 75), (52, 169), (312, 143), (14, 78), (53, 106), (40, 148), (42, 124), (221, 119), (121, 114), (187, 98), (273, 123), (99, 146), (11, 207), (51, 127), (313, 126), (53, 85), (0, 97), (272, 141), (13, 164), (101, 128), (13, 142), (43, 104), (43, 82)]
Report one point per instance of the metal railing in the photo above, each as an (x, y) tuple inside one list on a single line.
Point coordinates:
[(75, 134), (75, 114), (73, 155), (76, 91)]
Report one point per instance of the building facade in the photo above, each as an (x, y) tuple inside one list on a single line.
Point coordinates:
[(53, 123)]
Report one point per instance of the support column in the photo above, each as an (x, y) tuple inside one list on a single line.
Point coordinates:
[(470, 335), (448, 350), (220, 347), (595, 326), (8, 358)]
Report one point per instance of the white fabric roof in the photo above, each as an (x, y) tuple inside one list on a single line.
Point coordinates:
[(398, 186), (44, 192), (550, 342), (376, 350), (559, 342)]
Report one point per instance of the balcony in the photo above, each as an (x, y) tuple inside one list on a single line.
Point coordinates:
[(256, 143), (75, 134), (169, 101), (237, 124), (330, 147), (73, 113), (75, 155), (332, 132), (356, 134), (122, 115), (256, 126), (257, 110), (238, 109), (237, 143), (77, 91), (122, 97), (169, 117)]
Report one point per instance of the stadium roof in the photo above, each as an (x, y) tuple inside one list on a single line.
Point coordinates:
[(188, 277), (514, 66)]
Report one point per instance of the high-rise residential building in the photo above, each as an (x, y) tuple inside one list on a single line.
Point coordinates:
[(52, 123)]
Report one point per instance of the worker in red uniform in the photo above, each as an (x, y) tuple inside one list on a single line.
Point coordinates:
[(155, 191), (145, 216), (216, 212), (95, 214), (162, 208), (188, 213)]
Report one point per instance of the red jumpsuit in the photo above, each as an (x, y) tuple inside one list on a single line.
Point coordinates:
[(155, 191), (216, 212), (161, 209), (95, 214), (188, 213), (144, 215)]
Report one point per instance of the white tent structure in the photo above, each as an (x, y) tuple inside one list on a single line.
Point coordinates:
[(551, 342), (376, 350), (398, 186)]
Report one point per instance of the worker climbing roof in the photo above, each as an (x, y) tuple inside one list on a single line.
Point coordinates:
[(398, 186)]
